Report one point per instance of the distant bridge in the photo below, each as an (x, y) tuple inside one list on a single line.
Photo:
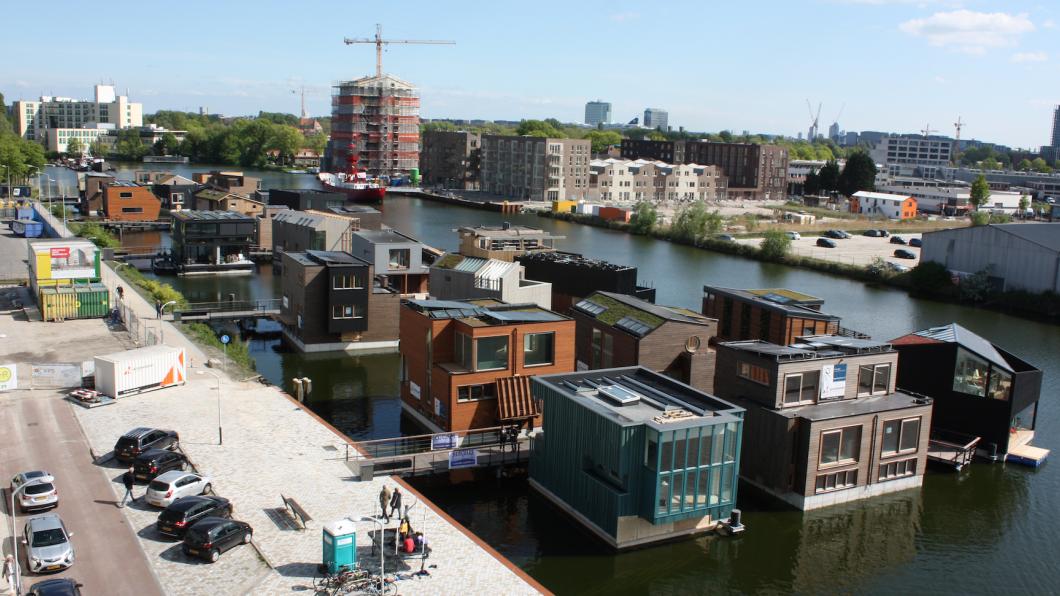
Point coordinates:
[(226, 309)]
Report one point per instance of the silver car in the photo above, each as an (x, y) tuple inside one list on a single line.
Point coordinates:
[(40, 490), (47, 544)]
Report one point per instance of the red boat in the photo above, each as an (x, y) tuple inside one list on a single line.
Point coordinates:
[(359, 188)]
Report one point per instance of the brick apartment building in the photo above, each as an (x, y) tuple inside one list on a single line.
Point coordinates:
[(754, 172), (450, 159), (535, 168)]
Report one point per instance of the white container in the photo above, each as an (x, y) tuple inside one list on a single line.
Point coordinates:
[(133, 371)]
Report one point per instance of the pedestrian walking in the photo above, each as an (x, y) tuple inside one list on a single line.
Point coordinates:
[(121, 293), (9, 573), (127, 479), (395, 502), (158, 308), (384, 501), (513, 437)]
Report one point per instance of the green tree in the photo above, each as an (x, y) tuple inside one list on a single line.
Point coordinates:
[(1024, 165), (537, 128), (775, 245), (1025, 201), (602, 139), (980, 192), (1041, 166), (438, 126), (287, 140), (726, 136), (823, 152), (128, 146), (979, 218), (75, 147), (858, 174), (97, 149), (656, 136), (812, 185), (829, 176), (18, 156), (645, 215), (990, 163), (695, 222)]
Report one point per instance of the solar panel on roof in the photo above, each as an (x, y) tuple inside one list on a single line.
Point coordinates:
[(633, 326), (523, 316), (590, 308), (619, 394), (777, 298)]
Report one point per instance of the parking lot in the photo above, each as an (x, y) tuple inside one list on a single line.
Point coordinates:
[(856, 250)]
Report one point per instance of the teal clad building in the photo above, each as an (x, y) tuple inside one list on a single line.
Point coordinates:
[(634, 455)]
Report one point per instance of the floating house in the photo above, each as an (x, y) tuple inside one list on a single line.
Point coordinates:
[(456, 277), (212, 242), (635, 456), (504, 242), (574, 277), (773, 315)]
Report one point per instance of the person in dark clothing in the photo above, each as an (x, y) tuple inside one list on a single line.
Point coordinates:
[(395, 502), (127, 479), (121, 293), (513, 436), (384, 500), (158, 308)]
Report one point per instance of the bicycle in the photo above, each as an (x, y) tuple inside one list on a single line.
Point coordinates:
[(341, 582), (372, 586)]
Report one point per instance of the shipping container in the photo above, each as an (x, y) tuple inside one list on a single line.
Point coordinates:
[(58, 303), (63, 260), (93, 300), (27, 228), (144, 369), (25, 213)]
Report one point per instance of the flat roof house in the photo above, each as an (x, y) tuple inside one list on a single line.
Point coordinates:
[(824, 423), (210, 199), (615, 330), (302, 199), (396, 256), (635, 456), (574, 277), (128, 201), (884, 204), (467, 364), (774, 315), (456, 277), (298, 231), (212, 241), (980, 390), (504, 242), (332, 303)]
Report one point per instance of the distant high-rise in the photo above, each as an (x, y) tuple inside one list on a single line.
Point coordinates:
[(597, 112), (1056, 127), (656, 118), (833, 132)]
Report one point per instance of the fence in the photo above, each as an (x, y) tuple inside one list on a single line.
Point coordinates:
[(144, 332)]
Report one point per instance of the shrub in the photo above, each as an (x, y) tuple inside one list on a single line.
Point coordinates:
[(644, 217), (931, 277), (775, 245), (237, 350), (96, 233), (979, 218)]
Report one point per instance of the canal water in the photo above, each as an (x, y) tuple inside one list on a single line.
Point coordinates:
[(993, 527)]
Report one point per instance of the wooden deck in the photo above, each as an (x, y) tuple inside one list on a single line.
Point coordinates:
[(1020, 451), (955, 451)]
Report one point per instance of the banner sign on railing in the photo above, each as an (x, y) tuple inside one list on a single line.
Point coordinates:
[(446, 441), (463, 458)]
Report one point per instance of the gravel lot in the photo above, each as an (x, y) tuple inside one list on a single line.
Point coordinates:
[(858, 250)]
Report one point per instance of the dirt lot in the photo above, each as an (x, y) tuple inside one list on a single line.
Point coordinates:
[(859, 250)]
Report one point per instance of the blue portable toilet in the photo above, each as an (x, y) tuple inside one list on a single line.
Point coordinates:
[(340, 545)]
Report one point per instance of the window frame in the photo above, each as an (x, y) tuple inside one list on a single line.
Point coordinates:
[(821, 464), (876, 367), (492, 387), (750, 373), (529, 337), (901, 422), (802, 388), (475, 352)]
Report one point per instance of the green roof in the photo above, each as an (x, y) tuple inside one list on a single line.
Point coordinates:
[(449, 261), (616, 311)]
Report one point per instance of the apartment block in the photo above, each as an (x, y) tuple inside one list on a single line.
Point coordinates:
[(625, 180), (451, 159), (753, 172), (535, 168), (35, 120), (375, 124), (913, 155)]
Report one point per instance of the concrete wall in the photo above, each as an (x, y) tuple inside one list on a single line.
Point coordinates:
[(1021, 264)]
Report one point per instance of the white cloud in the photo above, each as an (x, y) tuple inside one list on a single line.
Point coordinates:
[(968, 31), (941, 80), (1049, 24), (622, 17), (1023, 57)]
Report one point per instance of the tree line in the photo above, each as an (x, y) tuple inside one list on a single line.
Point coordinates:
[(20, 159)]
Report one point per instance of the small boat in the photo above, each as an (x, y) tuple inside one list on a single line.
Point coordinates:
[(355, 183)]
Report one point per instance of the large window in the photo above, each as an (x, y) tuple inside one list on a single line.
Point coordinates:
[(399, 258), (840, 445), (476, 392), (1000, 385), (696, 466), (347, 281), (538, 348), (970, 374), (603, 349), (874, 379), (752, 372), (901, 436), (491, 353), (800, 387)]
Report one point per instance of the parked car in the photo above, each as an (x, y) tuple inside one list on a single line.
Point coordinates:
[(884, 233), (138, 440), (725, 238), (186, 511), (172, 485), (917, 242), (153, 462), (40, 492), (211, 536), (794, 235), (837, 234), (872, 233), (897, 267), (897, 240), (826, 243), (47, 543), (63, 586), (902, 253)]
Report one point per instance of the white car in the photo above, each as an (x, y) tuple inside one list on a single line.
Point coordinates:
[(40, 492), (794, 235), (172, 485)]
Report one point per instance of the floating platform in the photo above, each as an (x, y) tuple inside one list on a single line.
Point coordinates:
[(1027, 455)]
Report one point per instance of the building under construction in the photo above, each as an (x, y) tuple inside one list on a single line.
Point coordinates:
[(377, 119)]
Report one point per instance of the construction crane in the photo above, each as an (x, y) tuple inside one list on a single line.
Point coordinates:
[(814, 120), (294, 91), (927, 130), (958, 125), (380, 42)]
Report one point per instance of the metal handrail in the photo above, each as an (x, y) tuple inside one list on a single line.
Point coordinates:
[(232, 305)]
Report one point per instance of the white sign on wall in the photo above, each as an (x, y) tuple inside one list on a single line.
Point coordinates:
[(414, 389), (8, 377), (833, 381)]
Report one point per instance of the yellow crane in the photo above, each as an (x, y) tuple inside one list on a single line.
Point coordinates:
[(380, 42)]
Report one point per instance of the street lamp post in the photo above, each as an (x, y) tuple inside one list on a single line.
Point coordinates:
[(220, 435), (382, 552), (161, 323)]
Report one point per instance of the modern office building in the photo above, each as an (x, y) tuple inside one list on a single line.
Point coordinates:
[(656, 118), (457, 277), (1021, 256), (774, 315), (617, 330), (597, 112), (635, 456), (913, 155), (375, 123), (451, 159), (331, 303), (535, 168), (397, 260), (212, 242), (504, 242), (574, 277), (824, 423), (1056, 128), (753, 172), (468, 364), (43, 119), (982, 392)]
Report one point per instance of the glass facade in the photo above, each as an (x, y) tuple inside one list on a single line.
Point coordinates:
[(695, 467), (975, 376)]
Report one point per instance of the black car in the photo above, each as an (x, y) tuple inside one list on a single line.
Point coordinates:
[(153, 462), (873, 233), (138, 440), (185, 511), (63, 586), (917, 242), (902, 253), (826, 243), (725, 238), (211, 536), (897, 240), (837, 234)]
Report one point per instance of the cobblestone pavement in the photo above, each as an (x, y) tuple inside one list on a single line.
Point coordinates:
[(272, 447)]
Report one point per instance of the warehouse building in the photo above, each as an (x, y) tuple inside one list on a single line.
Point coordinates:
[(1015, 256)]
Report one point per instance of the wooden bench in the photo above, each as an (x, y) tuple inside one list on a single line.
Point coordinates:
[(296, 510)]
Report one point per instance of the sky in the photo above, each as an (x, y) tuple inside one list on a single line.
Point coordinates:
[(887, 65)]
